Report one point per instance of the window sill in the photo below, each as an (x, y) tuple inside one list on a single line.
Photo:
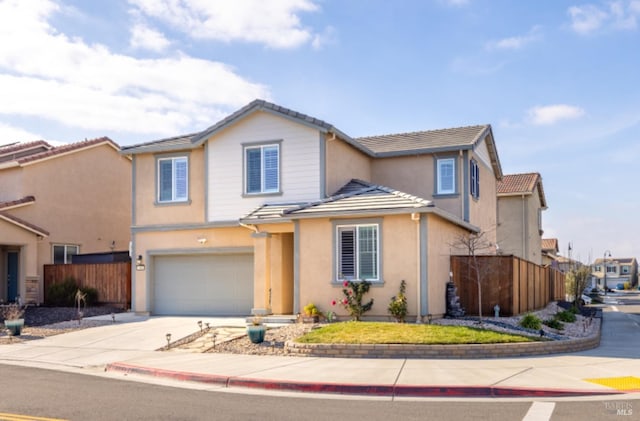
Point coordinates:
[(445, 195), (278, 193), (340, 283), (176, 203)]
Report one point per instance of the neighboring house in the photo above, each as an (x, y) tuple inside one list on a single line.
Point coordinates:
[(550, 252), (566, 264), (617, 271), (270, 209), (521, 201), (56, 202)]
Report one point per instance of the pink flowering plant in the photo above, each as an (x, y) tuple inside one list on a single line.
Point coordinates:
[(354, 292)]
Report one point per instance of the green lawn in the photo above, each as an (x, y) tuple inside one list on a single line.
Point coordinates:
[(404, 333)]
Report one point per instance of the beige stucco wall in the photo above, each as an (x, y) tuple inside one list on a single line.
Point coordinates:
[(148, 211), (415, 175), (442, 238), (483, 212), (518, 232), (11, 184), (343, 163), (82, 198)]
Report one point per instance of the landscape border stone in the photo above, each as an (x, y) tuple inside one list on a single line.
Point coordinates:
[(465, 351)]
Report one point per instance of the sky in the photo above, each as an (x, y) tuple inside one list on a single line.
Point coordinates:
[(558, 80)]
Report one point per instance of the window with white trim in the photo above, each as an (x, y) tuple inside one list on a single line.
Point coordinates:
[(625, 269), (62, 253), (446, 176), (358, 252), (262, 169), (173, 179), (474, 174)]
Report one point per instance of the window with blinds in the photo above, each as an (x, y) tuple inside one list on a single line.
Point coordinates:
[(358, 256), (262, 167), (173, 179)]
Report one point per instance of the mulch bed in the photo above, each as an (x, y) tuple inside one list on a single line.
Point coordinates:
[(41, 316)]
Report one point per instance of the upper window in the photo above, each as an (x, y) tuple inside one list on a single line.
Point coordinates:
[(474, 174), (625, 269), (612, 269), (358, 252), (173, 179), (446, 177), (262, 166), (62, 253)]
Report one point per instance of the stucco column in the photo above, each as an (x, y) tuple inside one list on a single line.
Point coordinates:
[(261, 273)]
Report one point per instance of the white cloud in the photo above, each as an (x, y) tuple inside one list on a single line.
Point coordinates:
[(10, 134), (551, 114), (515, 43), (143, 37), (328, 36), (47, 74), (274, 23), (621, 15)]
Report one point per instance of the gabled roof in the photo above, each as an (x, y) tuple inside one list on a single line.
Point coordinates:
[(24, 224), (17, 203), (550, 244), (522, 184), (59, 151), (620, 260), (462, 138), (355, 198)]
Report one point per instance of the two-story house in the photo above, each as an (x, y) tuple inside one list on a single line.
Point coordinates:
[(56, 202), (521, 201), (612, 271), (550, 252), (270, 209)]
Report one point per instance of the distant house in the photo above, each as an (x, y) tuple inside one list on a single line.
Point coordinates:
[(270, 209), (56, 202), (521, 201), (616, 271), (550, 252)]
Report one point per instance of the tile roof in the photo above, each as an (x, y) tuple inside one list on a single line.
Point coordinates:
[(425, 141), (621, 260), (71, 147), (356, 197), (168, 144), (550, 244), (517, 184), (18, 150), (24, 224), (18, 202)]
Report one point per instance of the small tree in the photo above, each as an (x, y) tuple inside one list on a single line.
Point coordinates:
[(576, 281), (473, 244)]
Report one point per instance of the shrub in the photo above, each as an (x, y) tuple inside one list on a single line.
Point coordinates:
[(398, 305), (566, 316), (354, 292), (554, 324), (63, 294), (531, 321), (311, 310)]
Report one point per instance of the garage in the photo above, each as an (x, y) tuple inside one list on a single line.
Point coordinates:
[(203, 285)]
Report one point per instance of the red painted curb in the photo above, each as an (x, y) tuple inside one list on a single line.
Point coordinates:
[(357, 389)]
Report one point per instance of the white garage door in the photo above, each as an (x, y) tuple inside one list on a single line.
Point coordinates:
[(220, 285)]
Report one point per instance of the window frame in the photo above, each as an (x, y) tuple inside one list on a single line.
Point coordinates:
[(175, 198), (264, 177), (356, 227), (66, 253), (474, 179), (440, 162)]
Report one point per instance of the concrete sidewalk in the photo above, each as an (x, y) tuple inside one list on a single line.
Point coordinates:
[(129, 345)]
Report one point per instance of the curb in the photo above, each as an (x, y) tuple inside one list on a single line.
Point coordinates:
[(355, 389)]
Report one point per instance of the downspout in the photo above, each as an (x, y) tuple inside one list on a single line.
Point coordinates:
[(416, 217), (524, 230)]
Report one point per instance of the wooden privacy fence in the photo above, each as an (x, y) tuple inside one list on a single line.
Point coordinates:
[(516, 285), (111, 280)]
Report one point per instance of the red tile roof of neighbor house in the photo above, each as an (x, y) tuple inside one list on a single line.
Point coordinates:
[(517, 184), (550, 244), (71, 147), (18, 202)]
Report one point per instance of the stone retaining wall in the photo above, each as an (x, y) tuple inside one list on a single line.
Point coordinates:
[(522, 349)]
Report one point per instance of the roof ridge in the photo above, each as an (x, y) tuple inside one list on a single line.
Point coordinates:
[(69, 147)]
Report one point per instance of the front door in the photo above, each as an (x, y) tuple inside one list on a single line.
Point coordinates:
[(12, 276)]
